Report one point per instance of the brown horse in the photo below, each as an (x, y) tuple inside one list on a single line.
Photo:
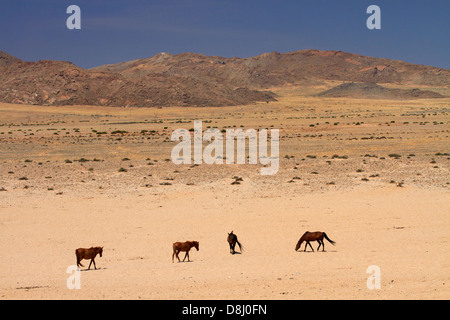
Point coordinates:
[(183, 246), (90, 253), (313, 236), (232, 240)]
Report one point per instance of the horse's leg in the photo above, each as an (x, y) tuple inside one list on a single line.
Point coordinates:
[(94, 263), (310, 246), (323, 246), (90, 264), (306, 245), (320, 243), (78, 259), (174, 254), (178, 257)]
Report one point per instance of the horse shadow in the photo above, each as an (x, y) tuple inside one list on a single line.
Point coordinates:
[(83, 270), (326, 251)]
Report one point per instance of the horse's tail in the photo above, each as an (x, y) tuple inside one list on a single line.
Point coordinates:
[(326, 237), (241, 247), (174, 250), (78, 254)]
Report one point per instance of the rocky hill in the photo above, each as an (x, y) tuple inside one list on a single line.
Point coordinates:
[(375, 91), (190, 79)]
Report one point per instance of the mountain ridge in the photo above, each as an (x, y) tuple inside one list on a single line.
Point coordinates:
[(193, 79)]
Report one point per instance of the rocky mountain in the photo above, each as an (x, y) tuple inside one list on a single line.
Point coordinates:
[(190, 79)]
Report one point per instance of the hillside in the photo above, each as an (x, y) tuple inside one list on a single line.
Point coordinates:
[(374, 91), (190, 79)]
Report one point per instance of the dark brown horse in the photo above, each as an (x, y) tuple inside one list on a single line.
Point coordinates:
[(313, 236), (183, 246), (232, 240), (90, 253)]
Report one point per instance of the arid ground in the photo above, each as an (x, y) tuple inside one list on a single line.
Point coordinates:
[(372, 174)]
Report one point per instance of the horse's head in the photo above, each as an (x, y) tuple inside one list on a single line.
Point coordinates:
[(100, 251), (298, 245), (196, 244)]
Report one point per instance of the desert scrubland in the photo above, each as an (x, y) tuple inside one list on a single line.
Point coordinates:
[(372, 173)]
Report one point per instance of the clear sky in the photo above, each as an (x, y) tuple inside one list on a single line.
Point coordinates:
[(416, 31)]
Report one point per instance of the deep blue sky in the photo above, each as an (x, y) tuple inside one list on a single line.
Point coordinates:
[(117, 30)]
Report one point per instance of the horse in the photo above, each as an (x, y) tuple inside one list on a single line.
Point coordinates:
[(313, 236), (232, 240), (183, 246), (90, 253)]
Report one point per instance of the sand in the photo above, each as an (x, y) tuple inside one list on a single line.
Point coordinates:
[(381, 211)]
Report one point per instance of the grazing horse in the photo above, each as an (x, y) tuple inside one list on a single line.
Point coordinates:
[(183, 246), (232, 240), (90, 253), (313, 236)]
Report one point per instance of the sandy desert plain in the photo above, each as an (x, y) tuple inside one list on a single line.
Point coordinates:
[(372, 174)]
